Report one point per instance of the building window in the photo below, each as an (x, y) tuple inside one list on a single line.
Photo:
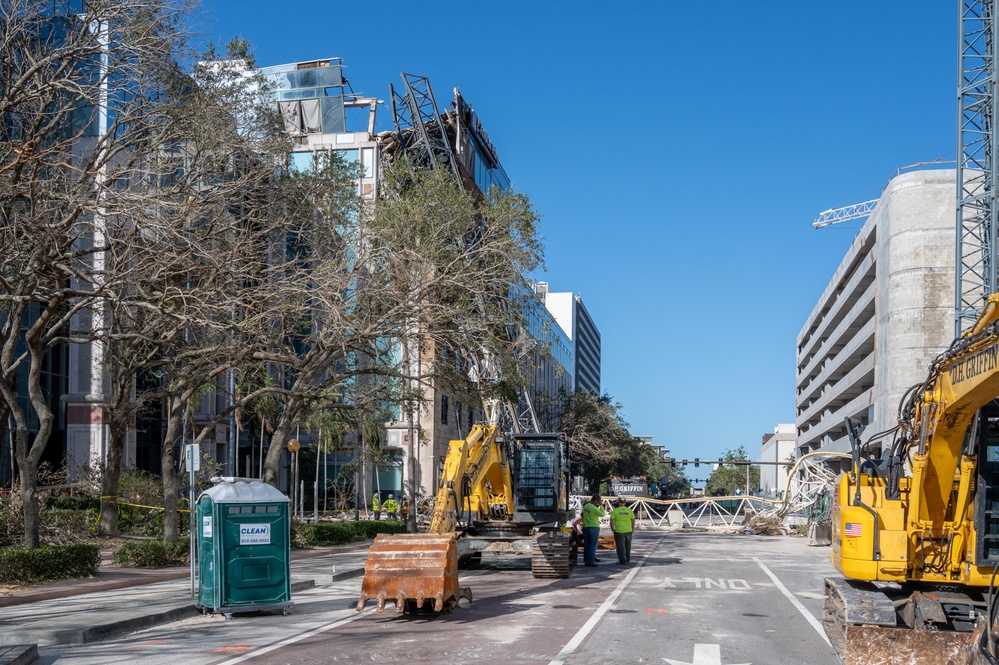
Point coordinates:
[(368, 162), (443, 409), (301, 162)]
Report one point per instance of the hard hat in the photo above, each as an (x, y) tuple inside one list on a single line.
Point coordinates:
[(390, 495)]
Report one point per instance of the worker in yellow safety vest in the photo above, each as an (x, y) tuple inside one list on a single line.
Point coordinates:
[(592, 512), (376, 507), (391, 507), (622, 520)]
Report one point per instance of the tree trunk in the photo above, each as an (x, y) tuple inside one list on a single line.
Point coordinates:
[(31, 509), (30, 459), (108, 523), (171, 531), (272, 461), (28, 474)]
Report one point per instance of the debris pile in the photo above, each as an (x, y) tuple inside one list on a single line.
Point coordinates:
[(766, 525)]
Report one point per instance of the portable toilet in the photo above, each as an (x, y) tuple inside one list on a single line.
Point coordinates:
[(244, 548)]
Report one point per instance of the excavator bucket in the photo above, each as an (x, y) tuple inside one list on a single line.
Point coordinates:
[(411, 570)]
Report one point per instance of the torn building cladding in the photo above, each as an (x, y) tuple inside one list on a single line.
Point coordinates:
[(310, 96), (476, 157), (312, 102)]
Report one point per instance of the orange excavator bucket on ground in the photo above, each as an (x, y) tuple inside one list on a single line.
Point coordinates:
[(412, 569)]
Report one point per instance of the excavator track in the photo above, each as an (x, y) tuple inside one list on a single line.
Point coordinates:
[(550, 555), (862, 627)]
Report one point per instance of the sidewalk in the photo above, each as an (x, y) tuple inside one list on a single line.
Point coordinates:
[(121, 600)]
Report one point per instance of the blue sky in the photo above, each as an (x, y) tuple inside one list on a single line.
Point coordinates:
[(678, 152)]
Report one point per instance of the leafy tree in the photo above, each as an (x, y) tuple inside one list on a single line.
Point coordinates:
[(599, 440), (727, 477), (672, 480)]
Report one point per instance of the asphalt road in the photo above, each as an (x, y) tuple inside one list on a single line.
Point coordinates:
[(698, 599)]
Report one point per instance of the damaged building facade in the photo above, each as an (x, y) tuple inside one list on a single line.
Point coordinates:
[(321, 116)]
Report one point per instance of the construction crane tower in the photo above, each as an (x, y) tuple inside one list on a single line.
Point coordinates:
[(975, 261)]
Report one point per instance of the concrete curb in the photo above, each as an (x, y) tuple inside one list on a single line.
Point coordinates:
[(112, 577), (347, 574), (100, 631), (18, 654)]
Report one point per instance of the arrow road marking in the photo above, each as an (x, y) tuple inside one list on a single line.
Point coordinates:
[(704, 654)]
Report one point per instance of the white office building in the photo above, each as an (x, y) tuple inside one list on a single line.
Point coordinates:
[(570, 313), (776, 454)]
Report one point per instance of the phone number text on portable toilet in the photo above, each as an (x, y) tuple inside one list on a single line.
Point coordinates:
[(254, 534)]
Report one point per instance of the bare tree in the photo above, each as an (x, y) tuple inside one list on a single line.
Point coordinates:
[(78, 101)]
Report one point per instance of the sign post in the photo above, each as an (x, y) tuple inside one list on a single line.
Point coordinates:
[(193, 462)]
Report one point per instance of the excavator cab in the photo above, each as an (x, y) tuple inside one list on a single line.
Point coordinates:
[(540, 478)]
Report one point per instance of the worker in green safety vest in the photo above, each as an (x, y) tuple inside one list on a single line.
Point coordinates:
[(376, 507)]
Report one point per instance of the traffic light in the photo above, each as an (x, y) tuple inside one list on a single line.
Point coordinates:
[(672, 463), (697, 461)]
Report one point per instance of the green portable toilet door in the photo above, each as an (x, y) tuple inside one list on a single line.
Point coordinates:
[(257, 570), (207, 561)]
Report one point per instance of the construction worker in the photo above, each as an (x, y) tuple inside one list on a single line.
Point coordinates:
[(391, 507), (376, 507), (592, 512), (405, 509), (622, 521)]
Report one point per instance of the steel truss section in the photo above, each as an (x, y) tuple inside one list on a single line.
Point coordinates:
[(426, 144), (975, 260), (837, 215)]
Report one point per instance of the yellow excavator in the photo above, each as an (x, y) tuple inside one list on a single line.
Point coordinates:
[(916, 535), (496, 494)]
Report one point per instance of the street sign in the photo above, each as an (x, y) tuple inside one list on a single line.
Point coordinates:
[(629, 487), (192, 457)]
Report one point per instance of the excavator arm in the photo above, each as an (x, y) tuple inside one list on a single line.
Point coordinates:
[(475, 481)]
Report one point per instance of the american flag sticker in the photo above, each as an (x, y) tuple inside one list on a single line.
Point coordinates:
[(853, 529)]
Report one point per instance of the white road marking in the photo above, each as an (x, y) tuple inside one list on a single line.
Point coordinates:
[(592, 622), (307, 634), (704, 654), (794, 601), (292, 640), (707, 583)]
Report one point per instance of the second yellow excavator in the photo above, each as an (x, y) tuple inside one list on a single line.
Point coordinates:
[(496, 494), (916, 535)]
